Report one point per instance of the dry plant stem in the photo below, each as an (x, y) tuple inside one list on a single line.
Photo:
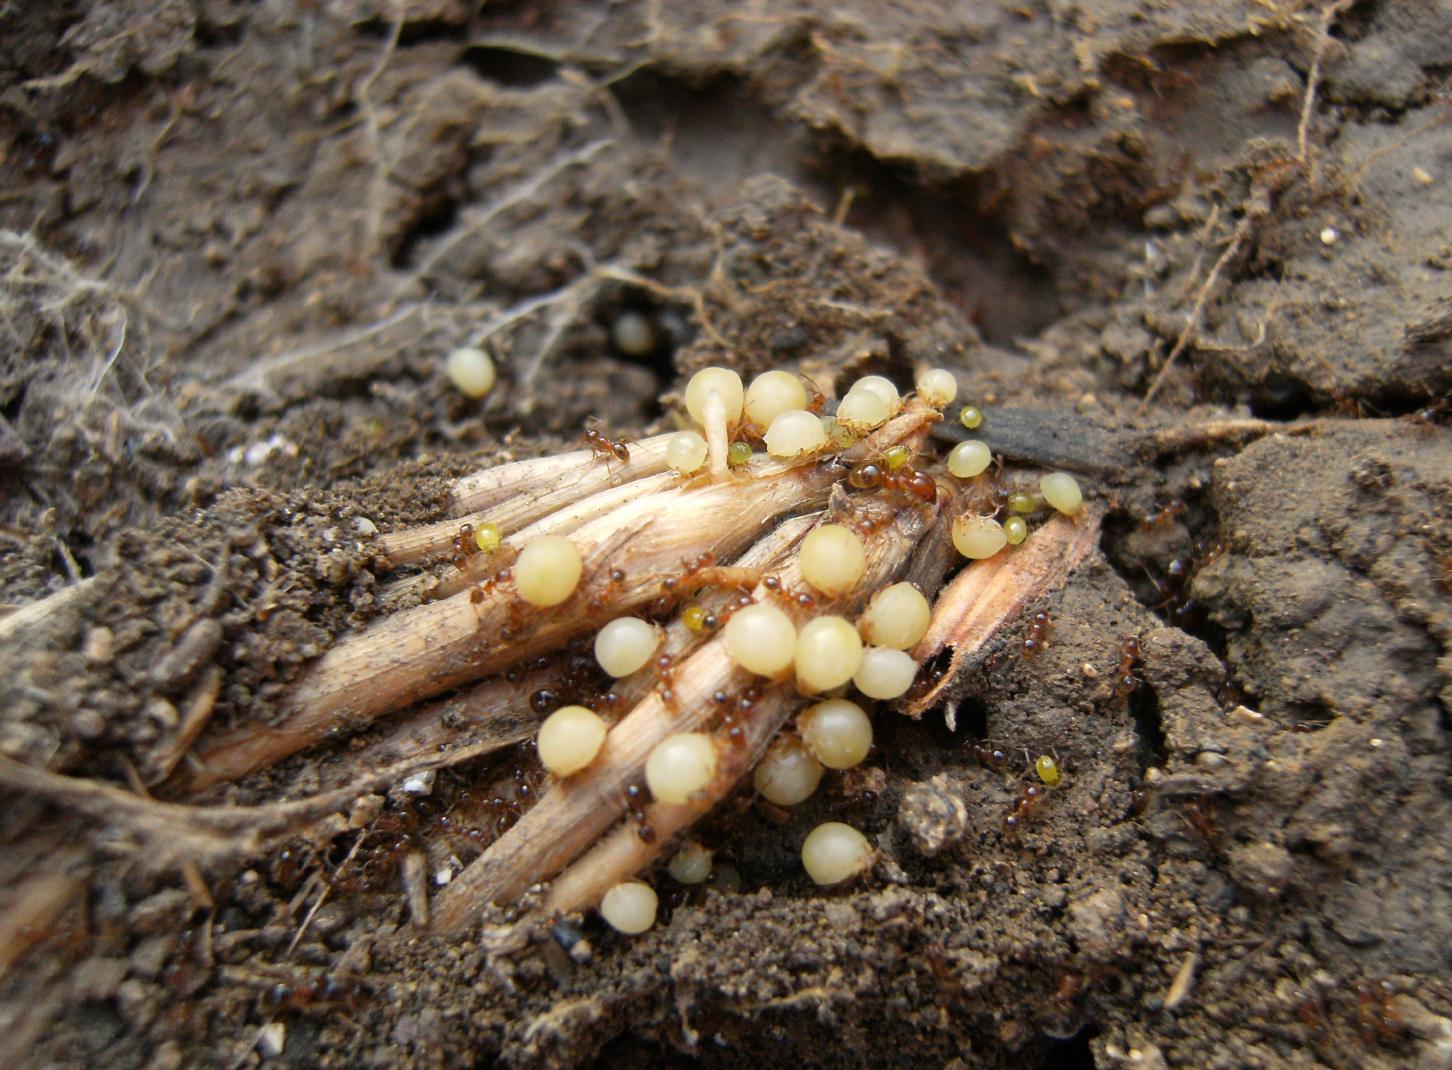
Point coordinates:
[(28, 917), (429, 649), (563, 521), (513, 495), (496, 712), (30, 615), (989, 594), (574, 813), (622, 853)]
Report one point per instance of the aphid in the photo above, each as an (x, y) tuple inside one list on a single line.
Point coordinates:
[(971, 417), (1048, 770), (1038, 635), (604, 446)]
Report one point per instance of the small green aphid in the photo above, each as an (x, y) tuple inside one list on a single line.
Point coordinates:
[(488, 537), (971, 417), (1022, 503), (896, 456), (1016, 528), (738, 454), (1048, 770)]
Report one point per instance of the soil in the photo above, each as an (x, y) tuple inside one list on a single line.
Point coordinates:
[(236, 242)]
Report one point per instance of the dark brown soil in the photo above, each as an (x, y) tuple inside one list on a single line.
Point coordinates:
[(236, 242)]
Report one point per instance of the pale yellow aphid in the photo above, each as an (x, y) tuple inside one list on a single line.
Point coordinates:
[(832, 558), (681, 765), (968, 459), (725, 383), (837, 732), (686, 452), (773, 393), (794, 432), (629, 907), (829, 651), (569, 740), (896, 617), (761, 639), (625, 644), (885, 673), (788, 773), (472, 371), (937, 386), (862, 410), (548, 570), (1062, 492), (978, 537), (833, 852), (691, 864)]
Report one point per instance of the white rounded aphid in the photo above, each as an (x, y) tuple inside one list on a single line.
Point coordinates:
[(829, 651), (937, 386), (978, 537), (629, 907), (832, 558), (725, 383), (969, 459), (686, 452), (897, 617), (569, 740), (1061, 491), (625, 644), (837, 732), (862, 410), (788, 773), (547, 570), (885, 673), (773, 393), (472, 371), (880, 385), (761, 639), (794, 432), (681, 765), (833, 852), (691, 864), (633, 334)]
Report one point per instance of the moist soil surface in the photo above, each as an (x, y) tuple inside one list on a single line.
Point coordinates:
[(1212, 240)]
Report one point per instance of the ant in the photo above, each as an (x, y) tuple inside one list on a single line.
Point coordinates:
[(1376, 1017), (1126, 682), (464, 546), (734, 713), (1028, 801), (1038, 635), (906, 481), (328, 991), (635, 804), (604, 446), (1163, 516)]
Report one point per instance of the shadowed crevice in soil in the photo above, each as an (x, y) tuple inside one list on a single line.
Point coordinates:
[(508, 66)]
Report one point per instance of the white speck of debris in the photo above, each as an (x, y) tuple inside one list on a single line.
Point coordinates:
[(259, 452), (1375, 742), (1421, 176), (443, 876), (1329, 235), (363, 526), (272, 1040), (420, 784)]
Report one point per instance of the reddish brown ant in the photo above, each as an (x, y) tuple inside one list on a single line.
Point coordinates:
[(1038, 635), (1126, 683), (603, 445), (1163, 516), (1028, 800), (327, 991), (635, 804), (905, 481)]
